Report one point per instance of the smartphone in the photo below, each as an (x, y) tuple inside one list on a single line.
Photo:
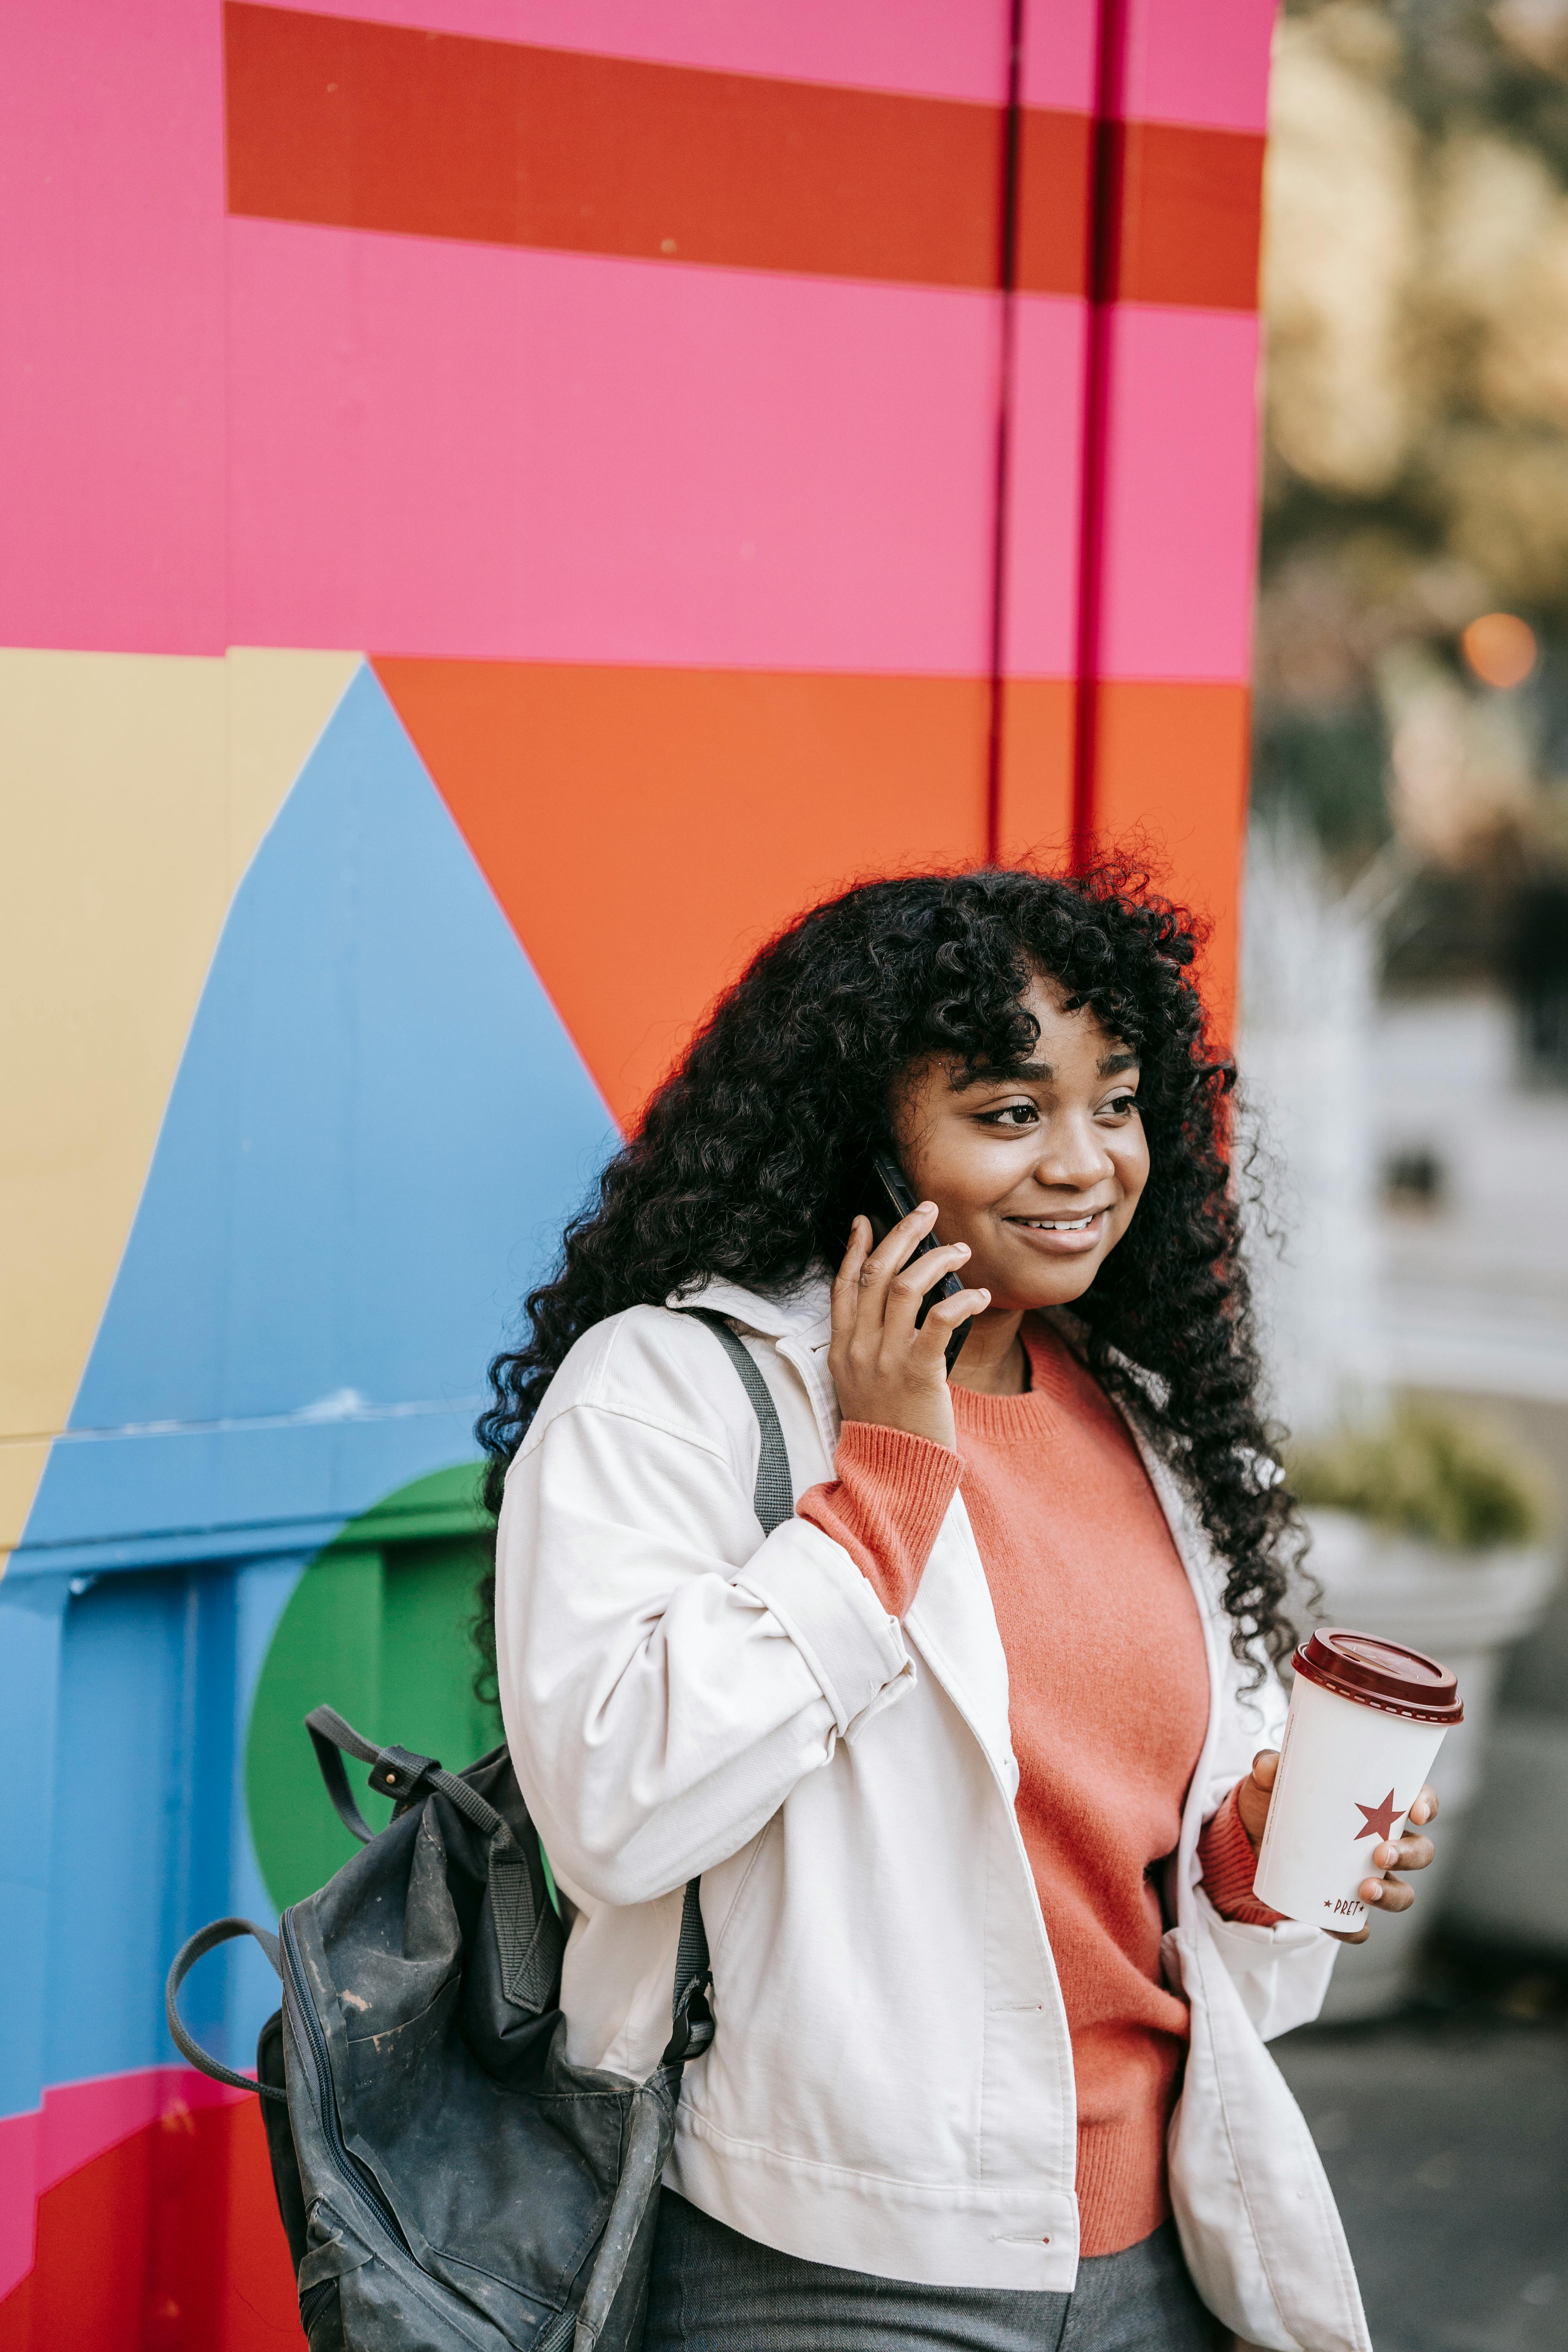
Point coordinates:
[(895, 1202)]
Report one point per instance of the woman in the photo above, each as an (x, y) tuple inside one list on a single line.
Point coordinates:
[(971, 1753)]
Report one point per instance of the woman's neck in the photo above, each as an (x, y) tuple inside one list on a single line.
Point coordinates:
[(993, 1359)]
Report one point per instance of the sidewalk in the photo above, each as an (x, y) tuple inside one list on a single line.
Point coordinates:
[(1445, 2137)]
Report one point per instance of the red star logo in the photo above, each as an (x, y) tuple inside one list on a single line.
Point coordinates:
[(1380, 1819)]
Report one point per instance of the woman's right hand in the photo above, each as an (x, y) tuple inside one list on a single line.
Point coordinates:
[(884, 1368)]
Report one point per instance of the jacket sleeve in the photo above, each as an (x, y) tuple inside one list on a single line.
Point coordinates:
[(1281, 1972), (665, 1679)]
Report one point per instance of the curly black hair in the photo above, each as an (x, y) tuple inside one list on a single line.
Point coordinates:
[(748, 1160)]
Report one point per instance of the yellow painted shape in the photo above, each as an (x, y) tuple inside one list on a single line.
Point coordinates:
[(134, 791)]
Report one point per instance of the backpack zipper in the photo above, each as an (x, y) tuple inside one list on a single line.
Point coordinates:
[(398, 2255), (343, 2163)]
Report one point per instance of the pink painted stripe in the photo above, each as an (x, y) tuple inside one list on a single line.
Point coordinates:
[(1180, 525), (1200, 61), (19, 2137), (930, 48), (1045, 485), (77, 2122), (112, 411), (1060, 54), (450, 449)]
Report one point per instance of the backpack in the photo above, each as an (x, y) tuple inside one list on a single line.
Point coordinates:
[(448, 2179)]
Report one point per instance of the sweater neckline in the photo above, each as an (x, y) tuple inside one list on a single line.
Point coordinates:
[(1047, 1402)]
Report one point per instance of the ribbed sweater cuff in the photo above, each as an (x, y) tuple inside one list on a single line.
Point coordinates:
[(1121, 2190), (885, 1505), (1226, 1851)]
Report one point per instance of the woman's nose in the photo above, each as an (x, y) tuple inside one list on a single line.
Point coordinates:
[(1073, 1153)]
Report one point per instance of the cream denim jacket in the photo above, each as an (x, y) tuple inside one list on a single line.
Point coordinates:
[(890, 2087)]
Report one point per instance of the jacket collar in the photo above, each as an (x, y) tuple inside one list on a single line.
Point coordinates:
[(803, 1314)]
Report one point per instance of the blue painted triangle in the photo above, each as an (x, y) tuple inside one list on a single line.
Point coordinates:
[(377, 1130)]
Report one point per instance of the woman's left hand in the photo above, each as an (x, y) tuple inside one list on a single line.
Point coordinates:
[(1412, 1851)]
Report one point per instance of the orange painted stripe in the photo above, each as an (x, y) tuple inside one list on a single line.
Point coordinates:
[(1035, 801), (1171, 768), (1185, 218), (645, 830)]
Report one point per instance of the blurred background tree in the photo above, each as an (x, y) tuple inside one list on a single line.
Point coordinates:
[(1413, 647)]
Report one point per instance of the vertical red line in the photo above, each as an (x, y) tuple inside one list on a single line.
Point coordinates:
[(1104, 230), (1008, 278)]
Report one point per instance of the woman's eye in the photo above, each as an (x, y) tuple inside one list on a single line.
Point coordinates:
[(1119, 1106), (1014, 1115)]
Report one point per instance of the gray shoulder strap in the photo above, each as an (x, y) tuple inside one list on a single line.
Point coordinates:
[(774, 1496), (774, 1501)]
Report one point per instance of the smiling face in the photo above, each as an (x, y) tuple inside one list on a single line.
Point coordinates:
[(1039, 1172)]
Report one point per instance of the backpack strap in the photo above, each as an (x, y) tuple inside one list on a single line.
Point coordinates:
[(773, 1498)]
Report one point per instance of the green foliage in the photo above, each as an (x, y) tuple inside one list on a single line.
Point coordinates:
[(1430, 1474)]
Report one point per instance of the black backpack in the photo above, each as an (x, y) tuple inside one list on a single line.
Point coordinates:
[(448, 2179)]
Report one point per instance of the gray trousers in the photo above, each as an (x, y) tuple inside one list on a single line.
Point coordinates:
[(714, 2291)]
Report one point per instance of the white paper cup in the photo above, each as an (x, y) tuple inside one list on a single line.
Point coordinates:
[(1367, 1717)]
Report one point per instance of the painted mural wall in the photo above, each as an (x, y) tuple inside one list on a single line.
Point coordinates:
[(506, 500)]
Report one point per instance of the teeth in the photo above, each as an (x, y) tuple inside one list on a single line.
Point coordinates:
[(1058, 1224)]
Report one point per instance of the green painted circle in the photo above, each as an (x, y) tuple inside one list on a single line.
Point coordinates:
[(377, 1627)]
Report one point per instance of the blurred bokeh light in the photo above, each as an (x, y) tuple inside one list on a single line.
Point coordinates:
[(1501, 648)]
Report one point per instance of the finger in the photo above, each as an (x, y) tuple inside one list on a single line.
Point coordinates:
[(893, 1249), (1265, 1765), (909, 1287), (1425, 1808), (855, 1251), (1385, 1895), (1409, 1853), (846, 1281), (1342, 1936), (947, 1314)]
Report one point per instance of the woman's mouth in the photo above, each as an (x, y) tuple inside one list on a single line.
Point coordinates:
[(1068, 1234)]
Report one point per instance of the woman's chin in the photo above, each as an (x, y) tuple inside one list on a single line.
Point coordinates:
[(1055, 1285)]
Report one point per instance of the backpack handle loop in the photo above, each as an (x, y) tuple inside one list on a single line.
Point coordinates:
[(204, 1940), (395, 1772)]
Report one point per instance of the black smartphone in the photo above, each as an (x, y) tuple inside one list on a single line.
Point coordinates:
[(896, 1202)]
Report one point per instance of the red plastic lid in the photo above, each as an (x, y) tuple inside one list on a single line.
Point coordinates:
[(1380, 1673)]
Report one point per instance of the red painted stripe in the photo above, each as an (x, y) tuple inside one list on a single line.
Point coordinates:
[(1185, 215), (431, 134), (168, 2237), (370, 126)]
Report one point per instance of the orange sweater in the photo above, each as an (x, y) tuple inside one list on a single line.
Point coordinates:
[(1109, 1703)]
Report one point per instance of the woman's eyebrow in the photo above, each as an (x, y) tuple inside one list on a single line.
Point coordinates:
[(1022, 1072), (1013, 1074)]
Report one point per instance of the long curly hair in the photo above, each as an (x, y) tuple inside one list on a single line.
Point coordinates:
[(748, 1162)]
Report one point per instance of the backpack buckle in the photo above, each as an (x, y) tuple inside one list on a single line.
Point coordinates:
[(399, 1774)]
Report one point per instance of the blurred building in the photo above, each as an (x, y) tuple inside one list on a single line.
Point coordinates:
[(504, 505)]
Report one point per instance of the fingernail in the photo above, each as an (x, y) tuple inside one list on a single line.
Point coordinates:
[(962, 1249), (1374, 1893), (927, 1204)]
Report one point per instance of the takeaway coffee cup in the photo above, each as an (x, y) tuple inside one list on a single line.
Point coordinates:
[(1367, 1717)]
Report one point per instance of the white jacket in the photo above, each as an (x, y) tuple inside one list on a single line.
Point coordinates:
[(891, 2086)]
